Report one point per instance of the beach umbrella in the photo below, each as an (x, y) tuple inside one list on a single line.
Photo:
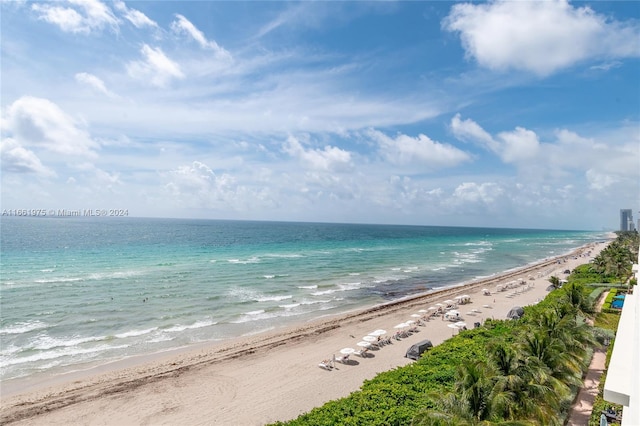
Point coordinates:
[(364, 344), (347, 351), (432, 308), (449, 302), (453, 327), (422, 311), (401, 325), (439, 304), (459, 297), (460, 324), (369, 338), (416, 315), (378, 332), (410, 322)]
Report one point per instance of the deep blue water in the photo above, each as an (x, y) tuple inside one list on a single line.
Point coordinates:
[(83, 290)]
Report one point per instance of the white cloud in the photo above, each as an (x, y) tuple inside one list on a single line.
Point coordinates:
[(606, 66), (40, 122), (94, 83), (183, 26), (419, 151), (470, 131), (196, 186), (16, 159), (519, 145), (328, 159), (471, 192), (83, 16), (137, 18), (539, 36), (600, 181), (512, 147), (155, 67)]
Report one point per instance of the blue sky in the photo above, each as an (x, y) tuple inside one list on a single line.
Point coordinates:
[(506, 114)]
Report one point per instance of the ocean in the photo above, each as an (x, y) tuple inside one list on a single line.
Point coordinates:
[(76, 292)]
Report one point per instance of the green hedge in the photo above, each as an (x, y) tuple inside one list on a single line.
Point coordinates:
[(394, 397)]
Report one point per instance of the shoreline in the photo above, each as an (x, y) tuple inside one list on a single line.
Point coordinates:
[(177, 378)]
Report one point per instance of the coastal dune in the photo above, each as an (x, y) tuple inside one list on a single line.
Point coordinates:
[(266, 377)]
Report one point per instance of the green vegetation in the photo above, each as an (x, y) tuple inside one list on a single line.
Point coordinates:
[(518, 372), (609, 323), (614, 263)]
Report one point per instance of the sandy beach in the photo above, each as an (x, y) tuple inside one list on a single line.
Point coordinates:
[(267, 377)]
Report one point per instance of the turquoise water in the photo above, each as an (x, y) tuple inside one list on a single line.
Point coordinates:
[(84, 290)]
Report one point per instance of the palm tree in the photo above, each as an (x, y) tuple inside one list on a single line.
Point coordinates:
[(575, 296), (555, 281), (560, 368), (468, 404), (516, 389)]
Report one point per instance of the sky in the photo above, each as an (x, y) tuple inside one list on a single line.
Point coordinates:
[(500, 114)]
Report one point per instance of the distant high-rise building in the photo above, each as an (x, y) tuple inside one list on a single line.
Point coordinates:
[(626, 220)]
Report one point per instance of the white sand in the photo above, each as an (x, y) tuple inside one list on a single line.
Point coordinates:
[(268, 377)]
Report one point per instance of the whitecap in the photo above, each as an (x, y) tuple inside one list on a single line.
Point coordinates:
[(23, 327), (134, 333), (57, 280), (197, 324), (48, 342), (273, 298)]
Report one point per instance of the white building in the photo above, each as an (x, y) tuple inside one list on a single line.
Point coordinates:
[(623, 377)]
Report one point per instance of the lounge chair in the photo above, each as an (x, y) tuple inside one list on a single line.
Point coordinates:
[(326, 365), (343, 359), (362, 352)]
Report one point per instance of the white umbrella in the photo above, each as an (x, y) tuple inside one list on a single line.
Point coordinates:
[(347, 351), (449, 301), (452, 326), (401, 325), (422, 311), (369, 338), (459, 297), (432, 308), (378, 332), (416, 315), (410, 322), (439, 304), (364, 344), (460, 324)]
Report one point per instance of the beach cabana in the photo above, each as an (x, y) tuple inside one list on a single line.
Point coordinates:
[(416, 350), (464, 299), (515, 312), (452, 315)]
